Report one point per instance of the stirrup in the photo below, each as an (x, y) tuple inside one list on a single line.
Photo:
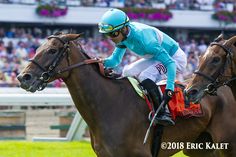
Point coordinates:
[(150, 116), (164, 120)]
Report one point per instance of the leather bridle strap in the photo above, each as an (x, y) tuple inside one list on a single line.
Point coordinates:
[(204, 75), (58, 38), (226, 49), (85, 62), (36, 63), (228, 82)]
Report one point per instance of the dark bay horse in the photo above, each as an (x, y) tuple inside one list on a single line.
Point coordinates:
[(115, 114), (217, 68)]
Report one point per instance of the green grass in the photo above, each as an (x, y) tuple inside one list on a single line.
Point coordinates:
[(46, 149), (49, 149), (180, 154)]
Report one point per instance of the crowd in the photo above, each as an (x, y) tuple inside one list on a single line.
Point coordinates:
[(18, 45), (172, 4), (14, 53)]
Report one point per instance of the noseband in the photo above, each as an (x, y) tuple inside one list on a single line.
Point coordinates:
[(50, 72), (215, 83)]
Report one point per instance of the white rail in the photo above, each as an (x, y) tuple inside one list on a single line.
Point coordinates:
[(48, 97)]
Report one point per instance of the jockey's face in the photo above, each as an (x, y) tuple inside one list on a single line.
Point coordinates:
[(116, 36)]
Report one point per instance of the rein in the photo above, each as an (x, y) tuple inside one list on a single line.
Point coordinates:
[(85, 62), (215, 83), (50, 71)]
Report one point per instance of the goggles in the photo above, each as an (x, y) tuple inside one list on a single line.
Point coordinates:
[(106, 28), (113, 34)]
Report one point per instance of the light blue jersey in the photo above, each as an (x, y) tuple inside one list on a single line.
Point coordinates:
[(147, 42)]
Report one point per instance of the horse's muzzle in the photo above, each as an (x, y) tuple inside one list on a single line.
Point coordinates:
[(193, 95), (27, 83)]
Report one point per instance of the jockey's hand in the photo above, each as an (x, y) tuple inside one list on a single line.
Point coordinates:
[(168, 95), (108, 72), (101, 60)]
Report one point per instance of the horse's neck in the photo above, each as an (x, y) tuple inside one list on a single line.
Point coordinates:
[(82, 93), (100, 101), (91, 94)]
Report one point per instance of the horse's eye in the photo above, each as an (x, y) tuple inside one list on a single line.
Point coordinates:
[(52, 51), (216, 60)]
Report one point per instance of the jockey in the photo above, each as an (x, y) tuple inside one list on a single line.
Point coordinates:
[(161, 56)]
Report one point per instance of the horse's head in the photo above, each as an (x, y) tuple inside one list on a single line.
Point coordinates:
[(51, 57), (215, 66)]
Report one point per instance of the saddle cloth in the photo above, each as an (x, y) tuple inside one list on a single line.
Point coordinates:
[(177, 105)]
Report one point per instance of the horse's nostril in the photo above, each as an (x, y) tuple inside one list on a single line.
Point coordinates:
[(193, 92), (27, 77)]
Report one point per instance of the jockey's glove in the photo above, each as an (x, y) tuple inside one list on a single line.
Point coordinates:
[(108, 71), (168, 95)]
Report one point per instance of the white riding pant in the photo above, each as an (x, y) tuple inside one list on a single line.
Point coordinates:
[(154, 70)]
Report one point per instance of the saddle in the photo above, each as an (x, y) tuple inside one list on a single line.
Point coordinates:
[(179, 105)]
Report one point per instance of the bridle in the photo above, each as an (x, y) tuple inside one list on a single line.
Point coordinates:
[(48, 73), (215, 82)]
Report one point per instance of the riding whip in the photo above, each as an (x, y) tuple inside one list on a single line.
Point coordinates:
[(152, 121)]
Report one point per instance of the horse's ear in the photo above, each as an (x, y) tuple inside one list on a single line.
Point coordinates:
[(231, 41), (219, 38), (71, 37)]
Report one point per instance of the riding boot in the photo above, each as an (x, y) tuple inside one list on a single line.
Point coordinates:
[(163, 117)]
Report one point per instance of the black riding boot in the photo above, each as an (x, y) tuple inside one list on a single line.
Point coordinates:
[(163, 117)]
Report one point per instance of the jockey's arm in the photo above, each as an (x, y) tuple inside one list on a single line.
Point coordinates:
[(160, 54), (116, 57)]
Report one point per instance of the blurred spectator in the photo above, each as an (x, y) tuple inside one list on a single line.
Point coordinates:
[(10, 51), (10, 33), (2, 33), (193, 45), (202, 47), (191, 66), (21, 51), (2, 77), (194, 5)]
